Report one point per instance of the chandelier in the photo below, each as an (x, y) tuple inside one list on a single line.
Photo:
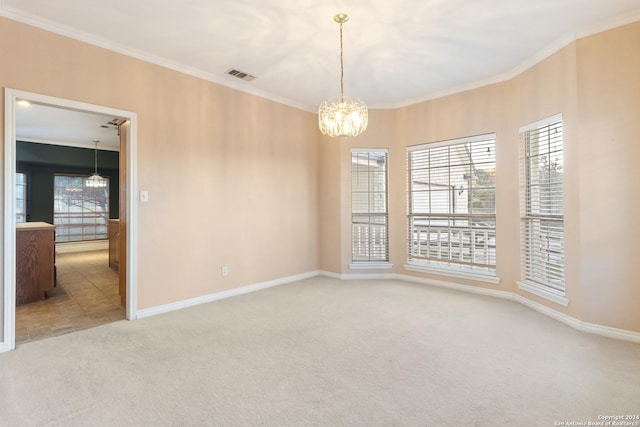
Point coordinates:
[(95, 180), (345, 116)]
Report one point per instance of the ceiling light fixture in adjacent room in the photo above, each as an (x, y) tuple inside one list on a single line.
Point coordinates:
[(95, 180), (344, 116)]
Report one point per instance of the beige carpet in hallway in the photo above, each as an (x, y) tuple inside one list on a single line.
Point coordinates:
[(328, 353)]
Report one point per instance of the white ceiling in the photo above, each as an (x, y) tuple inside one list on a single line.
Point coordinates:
[(397, 52), (46, 124)]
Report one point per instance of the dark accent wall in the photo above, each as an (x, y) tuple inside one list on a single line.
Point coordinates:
[(42, 161)]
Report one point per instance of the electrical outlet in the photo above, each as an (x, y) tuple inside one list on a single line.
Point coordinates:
[(224, 270)]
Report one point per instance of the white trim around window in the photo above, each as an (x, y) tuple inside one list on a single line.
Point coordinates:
[(541, 123), (542, 209), (369, 209), (544, 292), (371, 266), (451, 207)]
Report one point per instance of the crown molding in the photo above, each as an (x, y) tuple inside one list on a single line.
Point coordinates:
[(544, 53), (608, 24), (65, 31), (538, 57)]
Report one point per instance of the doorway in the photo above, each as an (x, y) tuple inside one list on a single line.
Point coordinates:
[(127, 189)]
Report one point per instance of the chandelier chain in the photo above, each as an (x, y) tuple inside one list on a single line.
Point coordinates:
[(341, 68), (95, 159)]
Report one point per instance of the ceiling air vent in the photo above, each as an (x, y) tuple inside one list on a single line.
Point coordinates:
[(239, 74), (113, 123)]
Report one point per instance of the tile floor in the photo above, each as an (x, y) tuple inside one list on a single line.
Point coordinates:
[(86, 296)]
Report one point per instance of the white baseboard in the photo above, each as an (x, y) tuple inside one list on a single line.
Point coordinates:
[(620, 334), (359, 276), (547, 311), (606, 331), (166, 308), (591, 328), (93, 245), (422, 280), (330, 274), (454, 272), (3, 347), (456, 286)]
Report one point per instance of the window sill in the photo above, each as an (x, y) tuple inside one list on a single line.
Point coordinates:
[(371, 266), (541, 291), (460, 274)]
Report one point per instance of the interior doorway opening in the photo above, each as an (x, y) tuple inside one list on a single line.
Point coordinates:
[(126, 190)]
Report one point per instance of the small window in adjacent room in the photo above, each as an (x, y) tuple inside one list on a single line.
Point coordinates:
[(21, 196), (80, 212), (452, 205), (542, 205), (369, 219)]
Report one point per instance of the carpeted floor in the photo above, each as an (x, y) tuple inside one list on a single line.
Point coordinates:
[(330, 353)]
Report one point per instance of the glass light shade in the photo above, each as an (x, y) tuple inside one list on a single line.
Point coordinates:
[(343, 117), (96, 181)]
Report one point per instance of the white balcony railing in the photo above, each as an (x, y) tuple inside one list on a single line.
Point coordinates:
[(465, 245), (369, 242)]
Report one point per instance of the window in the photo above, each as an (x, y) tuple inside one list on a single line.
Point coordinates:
[(542, 207), (452, 204), (369, 231), (80, 212), (21, 197)]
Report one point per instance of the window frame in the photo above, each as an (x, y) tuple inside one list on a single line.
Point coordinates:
[(439, 264), (373, 218), (60, 227), (536, 275), (25, 197)]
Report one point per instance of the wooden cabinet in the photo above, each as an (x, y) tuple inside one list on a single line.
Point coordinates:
[(114, 244), (35, 261)]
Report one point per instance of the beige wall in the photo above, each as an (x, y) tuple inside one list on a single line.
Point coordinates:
[(594, 83), (608, 136), (330, 252), (232, 178), (241, 181), (546, 89)]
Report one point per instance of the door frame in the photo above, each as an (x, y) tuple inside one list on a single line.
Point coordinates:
[(9, 245)]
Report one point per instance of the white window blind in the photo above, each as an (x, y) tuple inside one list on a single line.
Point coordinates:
[(542, 204), (369, 219), (452, 203), (21, 197), (80, 212)]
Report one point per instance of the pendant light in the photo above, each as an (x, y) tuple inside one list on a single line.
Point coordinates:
[(95, 180), (344, 116)]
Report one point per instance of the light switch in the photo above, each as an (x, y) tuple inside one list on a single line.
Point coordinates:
[(144, 196)]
